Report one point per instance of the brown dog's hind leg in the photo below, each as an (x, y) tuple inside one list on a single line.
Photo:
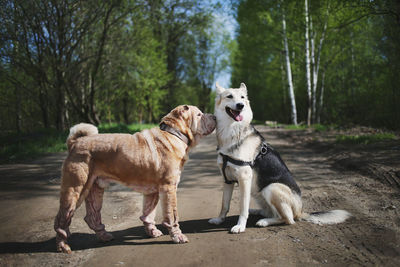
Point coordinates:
[(94, 202), (149, 213), (170, 214), (62, 221)]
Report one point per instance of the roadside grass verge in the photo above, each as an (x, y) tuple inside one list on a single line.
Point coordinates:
[(316, 127), (364, 139), (295, 127), (17, 147), (123, 128)]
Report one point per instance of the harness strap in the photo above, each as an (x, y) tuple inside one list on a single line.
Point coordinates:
[(226, 159), (173, 131)]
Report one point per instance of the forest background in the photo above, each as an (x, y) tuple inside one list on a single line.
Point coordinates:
[(329, 61)]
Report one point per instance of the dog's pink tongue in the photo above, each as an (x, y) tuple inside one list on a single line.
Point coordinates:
[(239, 117)]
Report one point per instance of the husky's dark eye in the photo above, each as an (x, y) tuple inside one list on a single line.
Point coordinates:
[(199, 114), (242, 97), (230, 96)]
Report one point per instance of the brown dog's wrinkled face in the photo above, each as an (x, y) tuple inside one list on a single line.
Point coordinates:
[(191, 122)]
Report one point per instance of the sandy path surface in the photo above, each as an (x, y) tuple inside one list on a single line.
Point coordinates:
[(329, 176)]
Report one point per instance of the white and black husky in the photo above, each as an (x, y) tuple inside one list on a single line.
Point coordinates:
[(244, 157)]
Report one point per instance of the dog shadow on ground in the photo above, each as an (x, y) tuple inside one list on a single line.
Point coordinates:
[(131, 236)]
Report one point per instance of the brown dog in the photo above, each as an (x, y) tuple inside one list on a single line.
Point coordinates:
[(149, 162)]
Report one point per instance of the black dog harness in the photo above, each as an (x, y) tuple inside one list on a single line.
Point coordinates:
[(226, 159)]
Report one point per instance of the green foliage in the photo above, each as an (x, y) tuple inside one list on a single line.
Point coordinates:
[(63, 62), (123, 128), (320, 127), (365, 139), (359, 60), (134, 91), (256, 56)]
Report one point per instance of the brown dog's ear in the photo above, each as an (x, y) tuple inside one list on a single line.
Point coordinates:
[(176, 113), (179, 112)]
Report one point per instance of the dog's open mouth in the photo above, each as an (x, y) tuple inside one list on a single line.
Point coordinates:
[(235, 114)]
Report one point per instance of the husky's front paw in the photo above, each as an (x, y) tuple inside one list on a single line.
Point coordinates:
[(238, 229), (216, 221)]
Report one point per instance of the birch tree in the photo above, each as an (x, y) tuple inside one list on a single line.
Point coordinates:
[(315, 61), (308, 67), (321, 97), (313, 57), (293, 112)]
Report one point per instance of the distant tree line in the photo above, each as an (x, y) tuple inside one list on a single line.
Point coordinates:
[(67, 61), (315, 61)]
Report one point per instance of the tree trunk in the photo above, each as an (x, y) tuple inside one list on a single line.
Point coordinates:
[(293, 112), (353, 72), (204, 97), (321, 97), (308, 67), (149, 108), (92, 106), (17, 110), (314, 79), (317, 66), (60, 109), (125, 109), (43, 107)]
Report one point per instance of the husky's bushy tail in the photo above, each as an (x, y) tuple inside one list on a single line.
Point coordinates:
[(80, 130), (326, 217)]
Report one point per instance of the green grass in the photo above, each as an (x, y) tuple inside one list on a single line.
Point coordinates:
[(15, 147), (296, 127), (364, 139), (24, 146), (321, 127), (316, 127), (257, 122)]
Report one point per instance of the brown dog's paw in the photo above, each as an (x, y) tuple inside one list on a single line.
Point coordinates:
[(104, 236), (154, 233), (64, 248), (179, 238)]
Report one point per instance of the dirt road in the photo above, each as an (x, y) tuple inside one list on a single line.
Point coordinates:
[(364, 180)]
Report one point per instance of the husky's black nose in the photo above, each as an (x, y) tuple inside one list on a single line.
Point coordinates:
[(239, 106)]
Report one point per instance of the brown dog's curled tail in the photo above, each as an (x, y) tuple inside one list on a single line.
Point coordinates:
[(80, 130)]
